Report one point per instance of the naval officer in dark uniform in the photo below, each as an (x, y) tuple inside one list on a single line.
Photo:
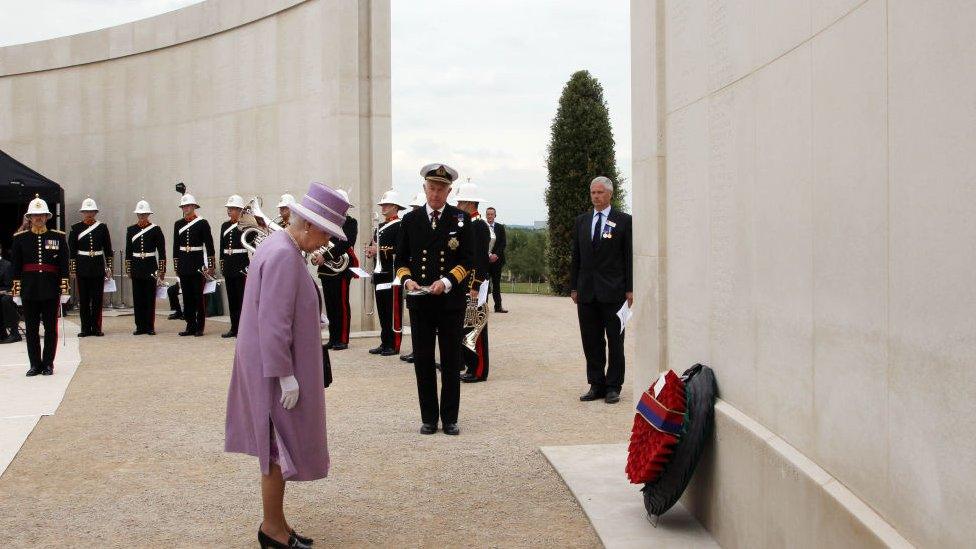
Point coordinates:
[(193, 261), (234, 261), (91, 264), (476, 361), (389, 294), (433, 258), (40, 270), (145, 263)]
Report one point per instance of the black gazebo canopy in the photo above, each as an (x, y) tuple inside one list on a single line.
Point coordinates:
[(18, 185)]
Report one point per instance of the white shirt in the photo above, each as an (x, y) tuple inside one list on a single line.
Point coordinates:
[(440, 214), (603, 221)]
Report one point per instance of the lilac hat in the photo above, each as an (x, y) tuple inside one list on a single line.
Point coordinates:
[(323, 207)]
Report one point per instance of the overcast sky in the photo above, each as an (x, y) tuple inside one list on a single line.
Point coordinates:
[(475, 83)]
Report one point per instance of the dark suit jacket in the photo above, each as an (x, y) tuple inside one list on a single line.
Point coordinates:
[(605, 272), (424, 255), (501, 242)]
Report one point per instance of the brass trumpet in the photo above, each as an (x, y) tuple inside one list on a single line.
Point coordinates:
[(475, 317), (254, 225)]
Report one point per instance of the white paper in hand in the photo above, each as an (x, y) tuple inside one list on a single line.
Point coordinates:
[(17, 301), (359, 272), (162, 291), (109, 286), (483, 293), (624, 315), (210, 287)]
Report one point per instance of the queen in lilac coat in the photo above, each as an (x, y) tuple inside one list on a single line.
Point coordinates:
[(276, 399), (279, 336)]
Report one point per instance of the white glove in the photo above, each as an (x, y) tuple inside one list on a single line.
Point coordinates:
[(289, 391)]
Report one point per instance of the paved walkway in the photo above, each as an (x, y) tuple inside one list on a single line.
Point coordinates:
[(133, 456)]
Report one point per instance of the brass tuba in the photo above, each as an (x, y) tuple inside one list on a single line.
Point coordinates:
[(475, 317), (333, 261), (254, 225)]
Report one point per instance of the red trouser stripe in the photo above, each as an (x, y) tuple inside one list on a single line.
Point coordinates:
[(480, 347)]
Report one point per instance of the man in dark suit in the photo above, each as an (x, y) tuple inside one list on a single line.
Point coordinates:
[(145, 263), (601, 280), (234, 261), (193, 261), (8, 310), (335, 287), (433, 257), (496, 257), (91, 264)]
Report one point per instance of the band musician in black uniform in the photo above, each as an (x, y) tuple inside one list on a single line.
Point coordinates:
[(335, 286), (40, 271), (389, 294), (193, 261), (475, 361), (234, 261), (145, 263), (433, 258), (91, 265)]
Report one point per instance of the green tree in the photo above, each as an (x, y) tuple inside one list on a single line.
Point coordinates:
[(581, 148), (525, 255)]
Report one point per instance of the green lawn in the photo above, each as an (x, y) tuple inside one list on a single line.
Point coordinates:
[(526, 288)]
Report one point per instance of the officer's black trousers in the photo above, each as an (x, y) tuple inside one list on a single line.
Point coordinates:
[(235, 299), (90, 292), (477, 362), (495, 270), (35, 312), (336, 292), (389, 307), (430, 323), (194, 309), (144, 303), (596, 320)]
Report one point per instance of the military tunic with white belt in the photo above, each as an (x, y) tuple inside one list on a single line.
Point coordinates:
[(192, 242), (91, 254), (40, 272), (234, 261), (389, 297), (145, 264)]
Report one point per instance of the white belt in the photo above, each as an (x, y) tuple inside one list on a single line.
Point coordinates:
[(91, 254), (232, 251), (144, 255), (191, 248)]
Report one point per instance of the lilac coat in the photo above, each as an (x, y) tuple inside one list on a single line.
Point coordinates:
[(279, 336)]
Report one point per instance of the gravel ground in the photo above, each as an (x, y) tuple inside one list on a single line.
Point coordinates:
[(133, 458)]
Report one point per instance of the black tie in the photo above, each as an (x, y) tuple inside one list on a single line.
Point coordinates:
[(596, 229)]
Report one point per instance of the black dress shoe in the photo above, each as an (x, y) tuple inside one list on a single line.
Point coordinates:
[(175, 316), (470, 378), (612, 397), (376, 350), (501, 310), (339, 346), (425, 429), (328, 345), (389, 352), (12, 338), (451, 429), (83, 334), (33, 372), (198, 333), (592, 394), (98, 334), (185, 333), (407, 358), (231, 333), (151, 332), (267, 541), (138, 332), (49, 371), (301, 538)]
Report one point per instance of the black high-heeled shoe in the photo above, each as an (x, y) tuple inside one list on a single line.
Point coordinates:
[(301, 538), (267, 542)]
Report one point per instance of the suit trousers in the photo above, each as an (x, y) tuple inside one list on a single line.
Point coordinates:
[(335, 291), (90, 292), (389, 307), (430, 324), (495, 271), (174, 298), (597, 320), (194, 309), (144, 303), (477, 362), (235, 299), (35, 312)]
